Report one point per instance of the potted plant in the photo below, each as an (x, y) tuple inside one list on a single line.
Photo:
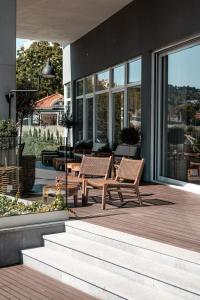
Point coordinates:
[(131, 136)]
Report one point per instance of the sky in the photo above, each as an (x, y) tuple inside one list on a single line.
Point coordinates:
[(184, 67), (22, 42)]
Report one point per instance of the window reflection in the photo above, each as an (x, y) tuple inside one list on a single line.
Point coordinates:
[(118, 76), (134, 71), (89, 84), (102, 81), (89, 118), (118, 115), (134, 106), (79, 119), (181, 120), (79, 88), (102, 118)]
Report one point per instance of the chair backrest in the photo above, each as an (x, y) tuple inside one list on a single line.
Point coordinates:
[(130, 169), (95, 166)]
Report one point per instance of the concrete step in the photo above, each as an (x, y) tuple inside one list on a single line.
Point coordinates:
[(179, 258), (139, 269), (89, 278)]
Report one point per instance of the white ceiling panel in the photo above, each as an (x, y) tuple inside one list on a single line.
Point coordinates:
[(62, 20)]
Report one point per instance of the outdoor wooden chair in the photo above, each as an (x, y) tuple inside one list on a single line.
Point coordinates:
[(91, 167), (128, 177)]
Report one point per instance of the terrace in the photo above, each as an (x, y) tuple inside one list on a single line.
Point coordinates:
[(131, 252)]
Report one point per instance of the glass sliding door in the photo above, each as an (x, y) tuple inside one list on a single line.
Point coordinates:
[(89, 118), (79, 120), (102, 102), (134, 106), (118, 115), (179, 140)]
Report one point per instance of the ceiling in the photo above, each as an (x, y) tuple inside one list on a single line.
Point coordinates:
[(62, 20)]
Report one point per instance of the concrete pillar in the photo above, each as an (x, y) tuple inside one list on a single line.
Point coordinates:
[(7, 55)]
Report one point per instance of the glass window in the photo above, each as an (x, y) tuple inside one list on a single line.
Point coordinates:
[(89, 84), (79, 88), (118, 115), (134, 71), (118, 74), (102, 79), (134, 106), (68, 90), (102, 118), (180, 122), (79, 120), (89, 118)]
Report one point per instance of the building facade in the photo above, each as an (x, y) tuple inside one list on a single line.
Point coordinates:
[(141, 67)]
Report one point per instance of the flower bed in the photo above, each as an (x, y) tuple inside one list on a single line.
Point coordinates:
[(17, 212), (13, 207)]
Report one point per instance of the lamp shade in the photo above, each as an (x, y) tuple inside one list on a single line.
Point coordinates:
[(48, 70)]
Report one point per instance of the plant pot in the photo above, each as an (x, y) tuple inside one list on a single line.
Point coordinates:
[(28, 166), (31, 219)]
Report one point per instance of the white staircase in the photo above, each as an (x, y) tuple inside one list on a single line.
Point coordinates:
[(109, 264)]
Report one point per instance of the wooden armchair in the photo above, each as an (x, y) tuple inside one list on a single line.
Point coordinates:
[(91, 167), (128, 177)]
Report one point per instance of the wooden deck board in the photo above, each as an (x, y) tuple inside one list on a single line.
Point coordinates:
[(21, 282), (169, 215)]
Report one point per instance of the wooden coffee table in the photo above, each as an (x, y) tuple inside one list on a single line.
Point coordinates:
[(72, 190), (73, 166)]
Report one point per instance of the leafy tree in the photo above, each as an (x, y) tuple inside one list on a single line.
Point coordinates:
[(25, 103), (30, 63)]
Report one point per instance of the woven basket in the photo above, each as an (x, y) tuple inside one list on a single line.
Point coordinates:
[(11, 180)]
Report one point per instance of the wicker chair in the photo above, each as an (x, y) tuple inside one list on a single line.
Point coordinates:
[(128, 176), (91, 167)]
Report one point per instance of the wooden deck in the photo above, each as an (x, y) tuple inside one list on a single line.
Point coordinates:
[(22, 283), (169, 215)]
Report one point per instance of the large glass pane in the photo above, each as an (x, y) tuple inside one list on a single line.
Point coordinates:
[(102, 118), (102, 81), (89, 118), (89, 84), (79, 88), (118, 76), (134, 71), (180, 138), (134, 106), (118, 115), (79, 119)]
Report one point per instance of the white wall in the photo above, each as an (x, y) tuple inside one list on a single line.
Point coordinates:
[(7, 54), (67, 79), (66, 64)]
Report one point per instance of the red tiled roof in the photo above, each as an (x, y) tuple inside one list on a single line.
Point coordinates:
[(49, 101)]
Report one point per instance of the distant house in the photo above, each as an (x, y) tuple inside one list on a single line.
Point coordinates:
[(48, 111)]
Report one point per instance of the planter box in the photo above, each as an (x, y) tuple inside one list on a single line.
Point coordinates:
[(31, 219)]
